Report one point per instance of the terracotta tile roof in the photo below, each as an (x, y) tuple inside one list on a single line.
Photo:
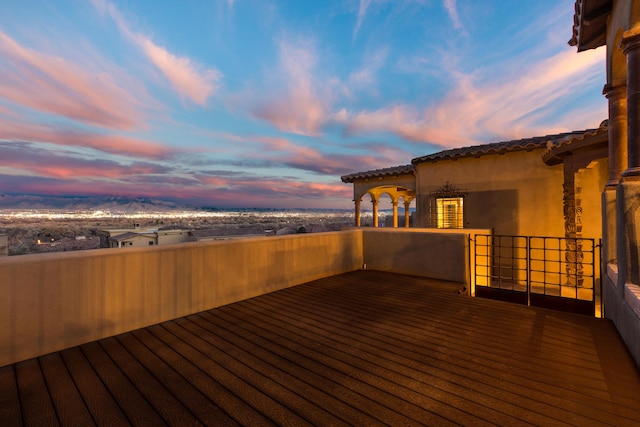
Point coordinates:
[(379, 173), (590, 24), (553, 141), (591, 138), (499, 147)]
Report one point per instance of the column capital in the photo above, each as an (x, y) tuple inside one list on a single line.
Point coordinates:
[(615, 89), (630, 40)]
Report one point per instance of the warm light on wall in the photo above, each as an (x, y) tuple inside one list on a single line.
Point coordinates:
[(450, 212)]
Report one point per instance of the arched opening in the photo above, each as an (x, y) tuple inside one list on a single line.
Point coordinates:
[(385, 204)]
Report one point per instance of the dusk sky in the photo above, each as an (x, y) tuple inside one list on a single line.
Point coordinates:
[(241, 103)]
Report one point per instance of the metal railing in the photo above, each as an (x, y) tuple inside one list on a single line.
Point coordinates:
[(556, 272)]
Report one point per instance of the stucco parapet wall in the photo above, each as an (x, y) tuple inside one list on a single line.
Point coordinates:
[(435, 253), (53, 301), (503, 147)]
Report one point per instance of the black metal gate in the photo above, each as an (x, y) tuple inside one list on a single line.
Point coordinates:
[(554, 272)]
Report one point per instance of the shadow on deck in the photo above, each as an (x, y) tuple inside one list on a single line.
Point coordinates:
[(362, 348)]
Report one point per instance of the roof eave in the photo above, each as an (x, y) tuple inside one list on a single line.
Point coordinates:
[(378, 173), (590, 24), (594, 140)]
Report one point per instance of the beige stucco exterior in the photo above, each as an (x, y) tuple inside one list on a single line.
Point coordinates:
[(513, 193)]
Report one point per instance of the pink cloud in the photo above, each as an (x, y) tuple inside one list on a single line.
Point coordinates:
[(188, 78), (275, 188), (54, 85), (44, 160), (290, 154), (363, 5), (299, 108), (365, 77), (510, 106), (114, 144), (452, 10)]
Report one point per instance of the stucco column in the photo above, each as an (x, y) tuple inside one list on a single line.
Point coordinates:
[(375, 202), (395, 213), (616, 94), (631, 44), (357, 213), (407, 204), (628, 190)]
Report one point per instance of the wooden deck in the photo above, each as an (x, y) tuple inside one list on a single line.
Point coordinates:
[(364, 348)]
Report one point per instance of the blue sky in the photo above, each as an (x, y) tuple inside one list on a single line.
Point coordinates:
[(241, 103)]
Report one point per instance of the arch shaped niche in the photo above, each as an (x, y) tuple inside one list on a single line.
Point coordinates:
[(395, 193)]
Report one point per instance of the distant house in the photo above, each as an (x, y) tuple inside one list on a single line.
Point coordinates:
[(119, 238), (4, 245)]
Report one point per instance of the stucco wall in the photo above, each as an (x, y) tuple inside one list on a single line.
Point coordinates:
[(513, 193), (441, 254), (173, 236), (49, 302)]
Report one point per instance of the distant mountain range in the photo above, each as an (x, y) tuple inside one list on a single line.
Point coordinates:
[(27, 202), (93, 203)]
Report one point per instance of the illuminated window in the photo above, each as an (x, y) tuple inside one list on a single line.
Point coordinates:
[(446, 207), (449, 212)]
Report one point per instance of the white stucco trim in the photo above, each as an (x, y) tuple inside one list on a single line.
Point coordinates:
[(632, 297)]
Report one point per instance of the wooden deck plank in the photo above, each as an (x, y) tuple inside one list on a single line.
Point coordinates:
[(323, 377), (470, 324), (134, 405), (167, 347), (292, 346), (256, 350), (9, 400), (103, 408), (37, 408), (171, 410), (251, 392), (542, 374), (525, 396), (67, 400), (467, 339), (203, 408), (269, 383), (362, 348), (427, 382)]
